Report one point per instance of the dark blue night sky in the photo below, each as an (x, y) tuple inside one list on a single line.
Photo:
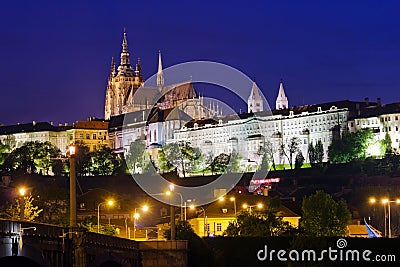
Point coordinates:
[(55, 57)]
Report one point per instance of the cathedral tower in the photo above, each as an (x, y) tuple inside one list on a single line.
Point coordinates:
[(281, 101), (122, 84), (255, 101)]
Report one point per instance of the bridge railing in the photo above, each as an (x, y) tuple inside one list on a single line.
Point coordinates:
[(110, 241)]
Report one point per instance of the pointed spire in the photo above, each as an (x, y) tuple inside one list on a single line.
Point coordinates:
[(138, 71), (124, 42), (125, 67), (255, 102), (160, 74), (112, 70), (281, 101)]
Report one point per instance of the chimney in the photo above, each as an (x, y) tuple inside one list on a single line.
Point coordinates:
[(33, 123), (66, 124), (366, 101), (379, 101), (51, 123)]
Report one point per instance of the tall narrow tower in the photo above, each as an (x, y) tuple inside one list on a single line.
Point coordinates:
[(160, 74), (122, 83), (125, 67), (255, 101), (281, 101)]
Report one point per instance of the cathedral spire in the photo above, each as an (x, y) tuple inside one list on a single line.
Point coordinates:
[(160, 74), (124, 43), (138, 71), (125, 68), (255, 101), (112, 70), (281, 101)]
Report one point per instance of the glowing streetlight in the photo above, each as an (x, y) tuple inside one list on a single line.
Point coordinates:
[(249, 207), (136, 216), (168, 193), (386, 201), (22, 192), (109, 203)]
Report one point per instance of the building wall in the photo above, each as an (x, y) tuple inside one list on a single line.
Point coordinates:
[(248, 136)]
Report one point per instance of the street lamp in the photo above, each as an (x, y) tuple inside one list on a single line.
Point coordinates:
[(109, 203), (21, 192), (386, 201), (171, 189), (249, 207), (136, 216), (192, 207), (72, 186)]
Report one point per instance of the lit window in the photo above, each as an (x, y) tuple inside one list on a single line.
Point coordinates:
[(219, 227), (94, 136)]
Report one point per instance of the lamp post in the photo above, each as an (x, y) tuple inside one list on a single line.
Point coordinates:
[(172, 211), (109, 203), (136, 216), (21, 192), (386, 201), (204, 219), (171, 189), (259, 206), (72, 187)]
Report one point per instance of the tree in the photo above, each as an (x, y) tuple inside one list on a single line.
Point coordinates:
[(219, 163), (31, 211), (387, 144), (265, 163), (319, 152), (90, 223), (234, 163), (33, 157), (258, 224), (311, 154), (290, 149), (323, 216), (183, 231), (135, 155), (163, 163), (352, 146), (181, 155), (270, 150), (3, 152), (299, 160), (101, 162)]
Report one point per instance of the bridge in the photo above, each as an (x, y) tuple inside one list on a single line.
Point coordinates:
[(37, 244)]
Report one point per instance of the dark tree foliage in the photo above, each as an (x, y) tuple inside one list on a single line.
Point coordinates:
[(352, 146), (219, 163), (32, 157), (299, 160), (101, 162), (259, 224), (289, 149), (135, 155), (323, 216)]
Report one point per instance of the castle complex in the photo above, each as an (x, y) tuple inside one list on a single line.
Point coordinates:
[(171, 113)]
